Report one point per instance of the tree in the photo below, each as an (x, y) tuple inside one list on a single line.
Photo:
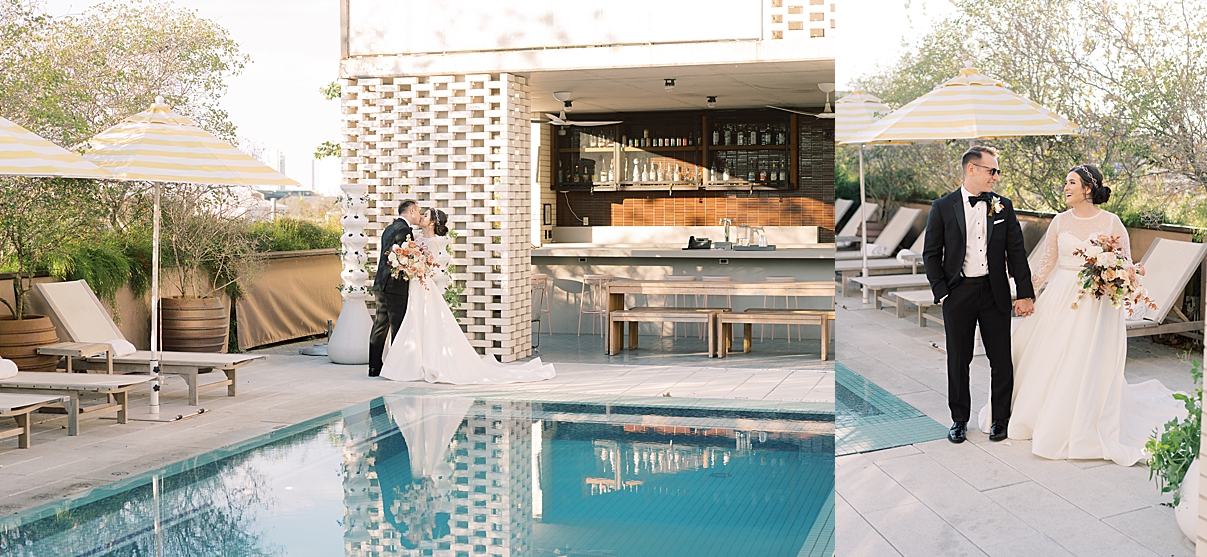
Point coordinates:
[(330, 91), (38, 218), (1131, 73)]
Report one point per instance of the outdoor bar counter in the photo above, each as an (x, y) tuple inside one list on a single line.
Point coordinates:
[(567, 263)]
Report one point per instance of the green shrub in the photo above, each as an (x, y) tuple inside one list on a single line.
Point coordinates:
[(285, 234)]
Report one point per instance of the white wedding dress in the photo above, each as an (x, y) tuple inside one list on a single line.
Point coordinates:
[(1070, 396), (430, 345)]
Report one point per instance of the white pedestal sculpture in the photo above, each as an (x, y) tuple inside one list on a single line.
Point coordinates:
[(349, 343)]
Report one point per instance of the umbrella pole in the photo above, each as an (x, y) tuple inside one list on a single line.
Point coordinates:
[(156, 380), (863, 220)]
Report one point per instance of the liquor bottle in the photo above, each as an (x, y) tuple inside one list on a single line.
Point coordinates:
[(645, 173), (754, 136), (780, 137), (636, 177), (766, 136), (677, 174), (763, 174), (725, 174), (741, 136), (559, 175), (750, 174), (728, 135), (712, 173)]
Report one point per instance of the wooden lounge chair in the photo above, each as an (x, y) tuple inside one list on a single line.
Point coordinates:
[(888, 240), (77, 313), (1168, 266), (19, 406), (879, 285), (75, 384)]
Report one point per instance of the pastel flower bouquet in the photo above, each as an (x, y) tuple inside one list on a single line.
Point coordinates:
[(413, 261), (1108, 273)]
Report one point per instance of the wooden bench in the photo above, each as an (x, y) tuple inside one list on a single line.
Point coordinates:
[(72, 350), (75, 384), (19, 407), (636, 315), (754, 316)]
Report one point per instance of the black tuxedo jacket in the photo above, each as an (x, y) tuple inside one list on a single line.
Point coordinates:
[(946, 234), (384, 281)]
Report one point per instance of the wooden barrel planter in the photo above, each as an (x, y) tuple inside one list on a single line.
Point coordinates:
[(21, 338), (194, 324)]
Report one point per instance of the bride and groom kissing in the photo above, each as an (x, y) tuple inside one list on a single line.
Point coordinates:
[(1058, 379), (426, 341)]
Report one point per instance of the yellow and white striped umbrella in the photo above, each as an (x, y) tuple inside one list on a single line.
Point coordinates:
[(24, 153), (855, 112), (969, 106), (158, 145)]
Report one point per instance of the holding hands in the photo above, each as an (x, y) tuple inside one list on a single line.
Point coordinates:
[(1024, 307)]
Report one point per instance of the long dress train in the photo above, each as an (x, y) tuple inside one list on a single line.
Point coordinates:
[(430, 345), (1070, 395)]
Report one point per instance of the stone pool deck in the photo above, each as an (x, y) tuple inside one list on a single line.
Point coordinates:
[(288, 388), (983, 498)]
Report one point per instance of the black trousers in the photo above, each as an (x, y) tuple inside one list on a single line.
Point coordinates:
[(391, 308), (970, 304)]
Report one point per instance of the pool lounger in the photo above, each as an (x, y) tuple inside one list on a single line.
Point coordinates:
[(19, 406), (73, 385)]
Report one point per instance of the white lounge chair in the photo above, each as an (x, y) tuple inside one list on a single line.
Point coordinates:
[(77, 312), (1168, 266), (888, 283), (849, 232), (892, 235), (841, 208)]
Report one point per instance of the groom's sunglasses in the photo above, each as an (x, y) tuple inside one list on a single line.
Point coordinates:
[(992, 171)]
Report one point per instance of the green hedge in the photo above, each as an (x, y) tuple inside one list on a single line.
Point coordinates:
[(292, 235)]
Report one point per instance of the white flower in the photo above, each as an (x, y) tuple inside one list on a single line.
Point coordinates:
[(1107, 259), (1093, 251)]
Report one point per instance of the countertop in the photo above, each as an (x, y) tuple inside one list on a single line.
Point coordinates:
[(818, 251)]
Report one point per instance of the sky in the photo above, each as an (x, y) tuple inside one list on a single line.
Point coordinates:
[(870, 33), (294, 50)]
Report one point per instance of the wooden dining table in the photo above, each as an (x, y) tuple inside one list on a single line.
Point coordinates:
[(618, 289)]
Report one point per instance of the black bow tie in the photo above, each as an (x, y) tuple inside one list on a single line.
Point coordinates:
[(973, 199)]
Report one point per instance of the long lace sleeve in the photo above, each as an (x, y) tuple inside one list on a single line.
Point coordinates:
[(1117, 229), (1048, 256)]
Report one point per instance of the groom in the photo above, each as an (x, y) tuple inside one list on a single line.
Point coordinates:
[(972, 239), (390, 293)]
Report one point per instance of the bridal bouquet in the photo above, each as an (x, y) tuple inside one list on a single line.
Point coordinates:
[(414, 261), (1108, 273)]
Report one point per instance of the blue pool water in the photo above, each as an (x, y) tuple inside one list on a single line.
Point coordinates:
[(422, 474)]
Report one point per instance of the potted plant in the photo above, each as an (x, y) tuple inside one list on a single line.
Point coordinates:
[(206, 244), (38, 217), (1173, 457)]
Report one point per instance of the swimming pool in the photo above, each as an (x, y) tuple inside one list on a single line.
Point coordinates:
[(424, 473), (869, 418)]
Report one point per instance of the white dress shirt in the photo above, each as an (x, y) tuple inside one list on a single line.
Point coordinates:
[(976, 261)]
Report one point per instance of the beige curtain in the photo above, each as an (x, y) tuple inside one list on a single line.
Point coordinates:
[(293, 298)]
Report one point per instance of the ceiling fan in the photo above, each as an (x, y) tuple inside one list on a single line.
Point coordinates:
[(826, 113), (560, 119)]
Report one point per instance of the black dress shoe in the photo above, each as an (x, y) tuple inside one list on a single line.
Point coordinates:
[(374, 372), (997, 431), (958, 432)]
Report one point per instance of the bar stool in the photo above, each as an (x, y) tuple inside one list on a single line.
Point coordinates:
[(717, 278), (595, 288), (774, 303), (682, 304), (544, 286)]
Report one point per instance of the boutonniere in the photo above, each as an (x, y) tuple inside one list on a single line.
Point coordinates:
[(995, 205)]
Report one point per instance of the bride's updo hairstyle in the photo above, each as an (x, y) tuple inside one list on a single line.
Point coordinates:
[(439, 222), (1091, 178)]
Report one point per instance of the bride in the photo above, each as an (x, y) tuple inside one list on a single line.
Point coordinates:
[(1070, 395), (430, 345)]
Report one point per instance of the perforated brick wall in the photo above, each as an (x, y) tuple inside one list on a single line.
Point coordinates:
[(461, 144)]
